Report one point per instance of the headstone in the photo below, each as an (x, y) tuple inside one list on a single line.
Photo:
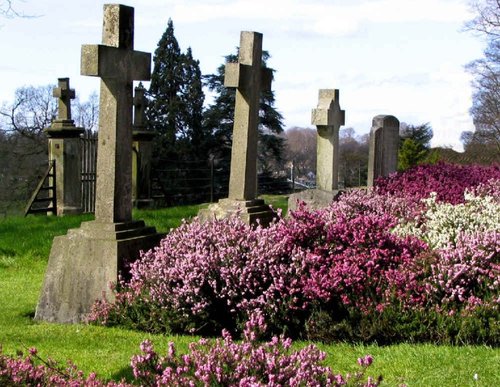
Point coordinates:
[(249, 78), (84, 262), (328, 118), (65, 150), (384, 146), (141, 157)]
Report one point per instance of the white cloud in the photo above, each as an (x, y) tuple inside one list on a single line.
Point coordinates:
[(333, 18)]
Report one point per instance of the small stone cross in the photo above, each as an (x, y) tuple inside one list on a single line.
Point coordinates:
[(140, 102), (250, 79), (118, 65), (328, 118), (65, 95)]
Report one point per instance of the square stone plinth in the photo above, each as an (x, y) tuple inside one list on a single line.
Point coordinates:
[(84, 262)]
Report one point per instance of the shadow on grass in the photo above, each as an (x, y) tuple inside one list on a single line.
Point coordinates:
[(125, 373)]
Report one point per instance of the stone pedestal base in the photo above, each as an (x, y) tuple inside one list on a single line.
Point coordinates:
[(82, 264), (314, 198), (248, 210)]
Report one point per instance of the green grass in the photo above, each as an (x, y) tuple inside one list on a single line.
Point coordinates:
[(24, 249)]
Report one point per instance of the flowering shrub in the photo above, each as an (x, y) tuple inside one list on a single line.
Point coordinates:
[(448, 181), (349, 262), (205, 277), (208, 363), (27, 371), (356, 261), (441, 223), (249, 363), (467, 272)]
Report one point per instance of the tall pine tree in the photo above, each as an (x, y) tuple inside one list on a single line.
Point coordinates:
[(192, 98), (176, 98)]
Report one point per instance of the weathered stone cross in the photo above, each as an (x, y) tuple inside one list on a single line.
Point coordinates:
[(118, 65), (328, 118), (64, 95), (249, 78)]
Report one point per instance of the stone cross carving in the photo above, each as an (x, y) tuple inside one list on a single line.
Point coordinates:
[(64, 95), (249, 78), (384, 147), (328, 118), (140, 102), (118, 65)]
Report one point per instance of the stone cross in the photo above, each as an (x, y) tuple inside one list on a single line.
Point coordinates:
[(140, 101), (384, 147), (118, 65), (328, 118), (65, 150), (64, 95), (249, 78)]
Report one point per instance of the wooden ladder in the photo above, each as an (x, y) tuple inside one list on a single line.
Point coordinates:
[(42, 187)]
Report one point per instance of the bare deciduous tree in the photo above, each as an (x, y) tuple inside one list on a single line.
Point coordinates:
[(486, 71), (301, 149)]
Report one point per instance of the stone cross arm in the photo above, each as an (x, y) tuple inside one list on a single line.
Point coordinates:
[(110, 62), (328, 112), (241, 76)]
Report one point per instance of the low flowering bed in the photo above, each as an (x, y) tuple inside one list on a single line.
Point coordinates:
[(221, 362), (420, 250)]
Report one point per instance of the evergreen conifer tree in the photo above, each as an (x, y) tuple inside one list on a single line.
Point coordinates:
[(176, 98), (415, 144), (192, 98)]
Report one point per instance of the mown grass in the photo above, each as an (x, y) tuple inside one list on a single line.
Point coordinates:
[(24, 249)]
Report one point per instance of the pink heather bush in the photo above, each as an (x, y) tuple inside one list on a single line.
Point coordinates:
[(466, 273), (27, 371), (348, 258), (354, 260), (220, 362), (211, 276), (449, 181), (224, 362)]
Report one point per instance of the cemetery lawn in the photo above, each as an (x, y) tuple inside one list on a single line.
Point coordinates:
[(24, 249)]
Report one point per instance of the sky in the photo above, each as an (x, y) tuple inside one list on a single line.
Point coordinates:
[(400, 57)]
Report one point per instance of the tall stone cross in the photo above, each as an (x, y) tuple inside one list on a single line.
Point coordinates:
[(64, 95), (118, 65), (250, 79), (328, 118)]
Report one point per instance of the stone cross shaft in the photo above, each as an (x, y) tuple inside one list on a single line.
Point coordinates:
[(64, 95), (118, 65), (328, 118), (140, 101), (250, 79)]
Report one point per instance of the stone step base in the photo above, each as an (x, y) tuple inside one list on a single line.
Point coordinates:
[(250, 211), (84, 262)]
